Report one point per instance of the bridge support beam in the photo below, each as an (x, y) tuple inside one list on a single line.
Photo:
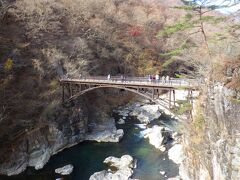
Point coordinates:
[(153, 92), (174, 98), (170, 98), (70, 90), (63, 94), (191, 96)]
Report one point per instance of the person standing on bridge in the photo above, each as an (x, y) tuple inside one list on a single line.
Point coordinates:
[(149, 77), (157, 78), (109, 76), (167, 79), (163, 79), (122, 78)]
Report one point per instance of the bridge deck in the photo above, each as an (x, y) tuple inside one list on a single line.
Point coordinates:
[(133, 81)]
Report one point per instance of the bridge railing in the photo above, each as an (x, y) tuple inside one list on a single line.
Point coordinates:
[(127, 80)]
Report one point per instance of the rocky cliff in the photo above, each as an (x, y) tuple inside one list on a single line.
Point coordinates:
[(212, 145)]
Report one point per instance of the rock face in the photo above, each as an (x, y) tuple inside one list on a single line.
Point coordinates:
[(38, 147), (219, 151), (65, 170), (71, 128), (157, 136), (124, 166)]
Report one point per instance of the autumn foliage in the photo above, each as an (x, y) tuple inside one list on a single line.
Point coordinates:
[(135, 31)]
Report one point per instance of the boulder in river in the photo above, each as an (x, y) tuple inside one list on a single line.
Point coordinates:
[(141, 126), (106, 132), (106, 136), (146, 113), (65, 170), (124, 112), (123, 169), (121, 121), (126, 161), (162, 172), (157, 136), (176, 153)]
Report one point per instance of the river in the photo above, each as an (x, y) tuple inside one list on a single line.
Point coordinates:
[(87, 157)]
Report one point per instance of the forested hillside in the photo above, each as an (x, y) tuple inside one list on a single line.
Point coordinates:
[(43, 40)]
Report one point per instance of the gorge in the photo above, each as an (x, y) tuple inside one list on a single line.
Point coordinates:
[(108, 131)]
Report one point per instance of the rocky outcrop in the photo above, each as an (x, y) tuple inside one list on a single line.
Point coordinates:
[(123, 169), (65, 170), (158, 136)]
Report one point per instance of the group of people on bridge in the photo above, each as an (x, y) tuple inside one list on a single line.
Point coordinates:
[(149, 78), (157, 78)]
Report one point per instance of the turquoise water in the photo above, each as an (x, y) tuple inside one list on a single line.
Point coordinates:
[(87, 158)]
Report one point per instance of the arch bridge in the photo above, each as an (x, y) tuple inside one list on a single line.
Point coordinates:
[(151, 89)]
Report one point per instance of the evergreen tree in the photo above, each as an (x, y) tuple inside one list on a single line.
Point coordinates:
[(197, 16)]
